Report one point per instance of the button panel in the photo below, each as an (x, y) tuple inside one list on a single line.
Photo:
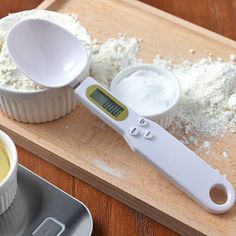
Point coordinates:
[(146, 133)]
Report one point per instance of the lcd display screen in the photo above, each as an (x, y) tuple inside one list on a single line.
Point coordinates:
[(107, 103)]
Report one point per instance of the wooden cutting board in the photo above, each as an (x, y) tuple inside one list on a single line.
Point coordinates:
[(82, 146)]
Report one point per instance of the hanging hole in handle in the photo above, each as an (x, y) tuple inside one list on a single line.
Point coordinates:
[(218, 194)]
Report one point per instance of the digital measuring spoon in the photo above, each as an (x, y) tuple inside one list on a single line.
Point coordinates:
[(51, 56)]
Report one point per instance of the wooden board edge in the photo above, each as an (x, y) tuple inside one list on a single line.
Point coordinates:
[(174, 19), (45, 4)]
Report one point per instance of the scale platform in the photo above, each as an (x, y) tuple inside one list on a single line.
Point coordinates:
[(41, 209)]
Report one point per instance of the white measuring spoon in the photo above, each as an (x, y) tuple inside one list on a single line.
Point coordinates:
[(51, 56)]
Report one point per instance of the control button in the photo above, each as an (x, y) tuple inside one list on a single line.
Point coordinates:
[(133, 131), (147, 134), (142, 121)]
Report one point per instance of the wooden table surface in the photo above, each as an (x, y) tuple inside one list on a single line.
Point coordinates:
[(110, 216)]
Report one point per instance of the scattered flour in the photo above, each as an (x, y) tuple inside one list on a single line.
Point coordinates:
[(208, 102), (232, 57), (225, 154), (191, 50), (206, 144), (119, 173), (112, 56)]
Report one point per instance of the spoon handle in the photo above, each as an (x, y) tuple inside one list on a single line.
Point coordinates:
[(174, 160)]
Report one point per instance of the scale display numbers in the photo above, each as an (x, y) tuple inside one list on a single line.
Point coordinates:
[(107, 103)]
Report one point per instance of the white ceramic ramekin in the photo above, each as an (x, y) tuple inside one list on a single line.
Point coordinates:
[(37, 107), (46, 104), (8, 186), (166, 117)]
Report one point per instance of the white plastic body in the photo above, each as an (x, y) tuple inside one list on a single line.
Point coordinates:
[(174, 160)]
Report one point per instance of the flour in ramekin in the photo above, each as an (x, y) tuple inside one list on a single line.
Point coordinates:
[(11, 77)]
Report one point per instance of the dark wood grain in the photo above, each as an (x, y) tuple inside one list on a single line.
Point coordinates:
[(54, 175), (8, 6), (110, 216), (216, 15)]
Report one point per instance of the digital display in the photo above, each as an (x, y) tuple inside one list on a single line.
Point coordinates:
[(109, 105)]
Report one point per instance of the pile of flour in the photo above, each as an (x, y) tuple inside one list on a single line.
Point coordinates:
[(112, 56), (208, 101)]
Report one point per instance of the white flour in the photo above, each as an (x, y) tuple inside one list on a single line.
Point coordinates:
[(208, 102), (112, 56)]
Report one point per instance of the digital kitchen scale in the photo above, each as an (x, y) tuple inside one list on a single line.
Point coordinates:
[(38, 49), (41, 209)]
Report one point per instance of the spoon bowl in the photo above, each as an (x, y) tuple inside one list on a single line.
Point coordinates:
[(47, 53)]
